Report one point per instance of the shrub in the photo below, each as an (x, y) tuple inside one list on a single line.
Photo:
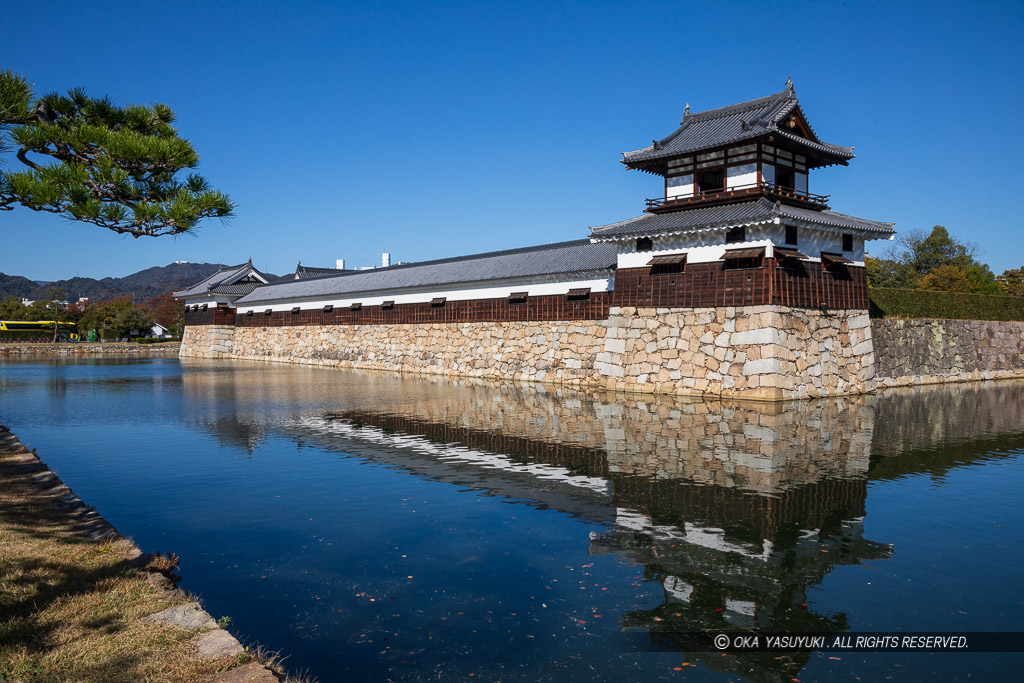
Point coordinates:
[(915, 303)]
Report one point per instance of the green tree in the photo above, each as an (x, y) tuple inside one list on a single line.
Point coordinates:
[(39, 310), (11, 308), (57, 307), (1012, 282), (982, 279), (925, 251), (115, 319), (89, 160), (946, 278), (922, 253), (887, 272)]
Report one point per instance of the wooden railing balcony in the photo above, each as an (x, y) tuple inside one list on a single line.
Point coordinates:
[(771, 190)]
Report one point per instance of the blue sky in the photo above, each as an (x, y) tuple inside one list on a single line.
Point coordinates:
[(436, 129)]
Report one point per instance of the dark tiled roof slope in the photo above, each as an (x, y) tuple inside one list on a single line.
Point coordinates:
[(303, 272), (236, 289), (712, 217), (735, 123), (551, 259)]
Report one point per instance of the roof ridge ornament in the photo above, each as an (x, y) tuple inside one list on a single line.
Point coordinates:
[(789, 83), (777, 209), (686, 114)]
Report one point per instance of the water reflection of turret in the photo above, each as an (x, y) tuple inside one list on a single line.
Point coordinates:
[(736, 509)]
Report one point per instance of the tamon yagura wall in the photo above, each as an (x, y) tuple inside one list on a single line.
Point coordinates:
[(923, 351), (759, 352), (766, 333)]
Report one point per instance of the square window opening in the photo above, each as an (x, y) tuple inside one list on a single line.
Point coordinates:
[(711, 181), (791, 236)]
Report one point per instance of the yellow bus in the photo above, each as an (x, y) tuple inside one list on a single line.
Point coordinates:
[(68, 331)]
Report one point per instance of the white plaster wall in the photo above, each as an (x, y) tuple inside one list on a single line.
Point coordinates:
[(709, 245), (699, 247), (812, 242), (211, 300), (502, 291), (680, 186), (741, 176)]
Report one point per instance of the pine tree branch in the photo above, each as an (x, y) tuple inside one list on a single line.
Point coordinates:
[(111, 166)]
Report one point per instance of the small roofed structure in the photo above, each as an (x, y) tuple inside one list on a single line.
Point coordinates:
[(223, 287)]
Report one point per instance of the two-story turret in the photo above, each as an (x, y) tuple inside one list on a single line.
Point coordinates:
[(737, 198)]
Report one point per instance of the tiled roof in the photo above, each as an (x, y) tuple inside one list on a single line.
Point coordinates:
[(551, 259), (735, 123), (239, 288), (746, 213), (215, 283), (303, 272)]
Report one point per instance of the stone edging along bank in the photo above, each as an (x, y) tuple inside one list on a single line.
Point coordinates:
[(212, 643), (89, 349)]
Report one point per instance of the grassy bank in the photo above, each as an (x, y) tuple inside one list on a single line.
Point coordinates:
[(72, 606)]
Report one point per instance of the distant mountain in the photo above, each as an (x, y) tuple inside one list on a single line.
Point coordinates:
[(143, 285)]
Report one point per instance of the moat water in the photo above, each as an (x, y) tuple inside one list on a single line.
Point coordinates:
[(377, 528)]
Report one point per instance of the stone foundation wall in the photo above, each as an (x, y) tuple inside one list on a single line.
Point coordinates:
[(757, 352), (923, 351), (754, 352), (555, 352), (208, 341)]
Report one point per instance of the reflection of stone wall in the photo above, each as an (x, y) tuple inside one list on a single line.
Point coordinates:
[(939, 418), (760, 352), (920, 351), (751, 446)]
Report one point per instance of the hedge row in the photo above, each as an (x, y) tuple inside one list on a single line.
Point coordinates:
[(916, 303)]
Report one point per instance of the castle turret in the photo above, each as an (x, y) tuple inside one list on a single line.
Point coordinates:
[(761, 148)]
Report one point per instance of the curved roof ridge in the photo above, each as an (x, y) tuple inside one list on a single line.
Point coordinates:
[(740, 106), (719, 112)]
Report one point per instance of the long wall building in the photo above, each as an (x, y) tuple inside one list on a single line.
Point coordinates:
[(736, 281)]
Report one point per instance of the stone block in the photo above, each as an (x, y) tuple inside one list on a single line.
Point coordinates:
[(615, 345), (764, 335), (762, 366)]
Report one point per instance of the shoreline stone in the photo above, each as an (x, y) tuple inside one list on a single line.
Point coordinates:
[(215, 642)]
